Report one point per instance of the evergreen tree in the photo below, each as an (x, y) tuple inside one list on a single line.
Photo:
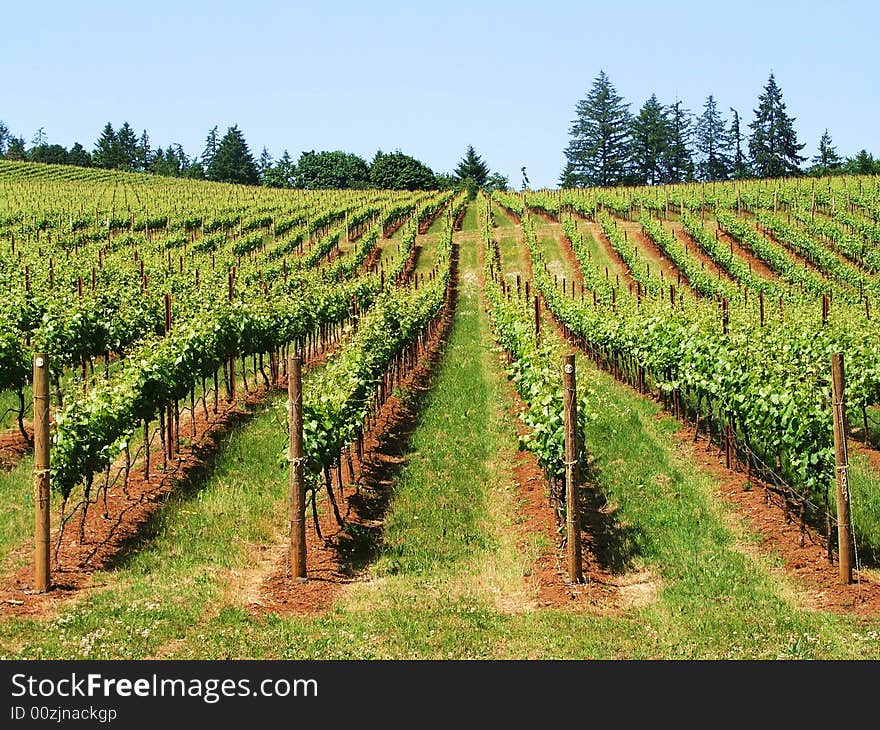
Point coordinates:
[(211, 143), (15, 149), (472, 167), (233, 161), (678, 161), (773, 144), (712, 143), (827, 161), (281, 174), (862, 164), (127, 143), (598, 149), (143, 153), (194, 171), (738, 167), (264, 164), (107, 153), (649, 141), (568, 178)]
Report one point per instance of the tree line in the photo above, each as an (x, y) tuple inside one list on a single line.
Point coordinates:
[(228, 158), (668, 144)]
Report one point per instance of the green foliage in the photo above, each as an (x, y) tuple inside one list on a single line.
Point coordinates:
[(598, 152), (713, 143), (826, 161), (233, 161), (397, 171), (650, 134), (678, 161), (53, 154), (472, 167), (281, 174), (773, 144), (336, 169)]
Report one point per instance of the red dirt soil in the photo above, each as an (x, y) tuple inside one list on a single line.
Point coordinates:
[(332, 558), (116, 519), (694, 250), (764, 516), (13, 446)]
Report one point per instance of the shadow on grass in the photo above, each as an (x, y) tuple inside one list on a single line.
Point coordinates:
[(359, 543), (613, 544), (201, 464)]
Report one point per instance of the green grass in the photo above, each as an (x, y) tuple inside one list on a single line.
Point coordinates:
[(865, 505), (16, 508)]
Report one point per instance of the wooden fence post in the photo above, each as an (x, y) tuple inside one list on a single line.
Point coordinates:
[(41, 472), (841, 463), (572, 473), (297, 480), (537, 321)]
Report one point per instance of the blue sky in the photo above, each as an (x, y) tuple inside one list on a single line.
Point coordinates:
[(427, 78)]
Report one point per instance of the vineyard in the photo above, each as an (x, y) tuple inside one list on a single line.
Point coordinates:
[(256, 422)]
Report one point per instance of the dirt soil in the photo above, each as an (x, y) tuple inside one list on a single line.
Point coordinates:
[(764, 515), (341, 553), (807, 563), (13, 445), (116, 519)]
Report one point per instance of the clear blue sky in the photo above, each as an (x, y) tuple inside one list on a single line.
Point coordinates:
[(428, 78)]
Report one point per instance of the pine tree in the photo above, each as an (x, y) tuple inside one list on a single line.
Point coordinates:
[(773, 144), (264, 164), (233, 161), (827, 161), (107, 153), (679, 163), (281, 174), (15, 149), (739, 169), (127, 142), (472, 167), (598, 149), (712, 143), (650, 137), (568, 178), (211, 143), (143, 153)]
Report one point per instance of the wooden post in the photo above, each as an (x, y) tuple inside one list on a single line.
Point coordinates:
[(41, 472), (841, 462), (297, 480), (537, 321), (572, 473)]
